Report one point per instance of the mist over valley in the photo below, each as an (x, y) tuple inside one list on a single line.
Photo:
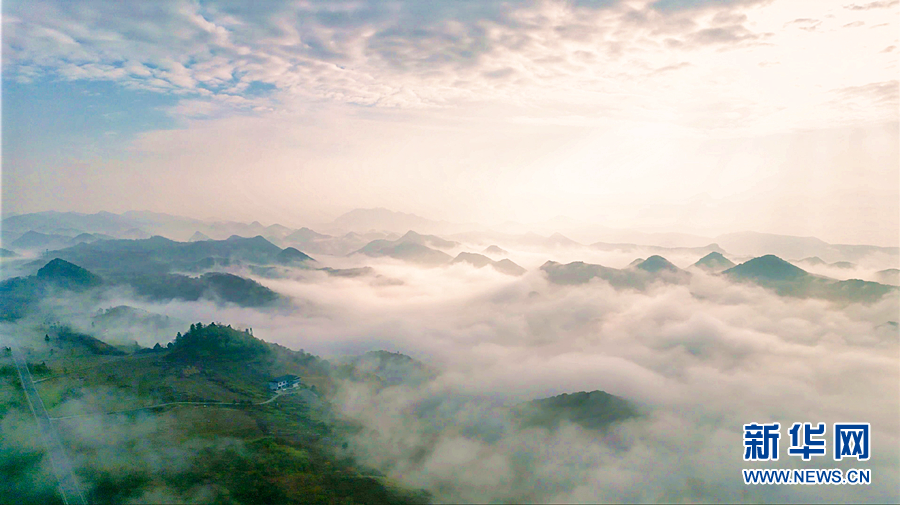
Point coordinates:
[(477, 367)]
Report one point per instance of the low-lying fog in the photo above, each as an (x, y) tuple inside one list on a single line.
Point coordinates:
[(702, 359)]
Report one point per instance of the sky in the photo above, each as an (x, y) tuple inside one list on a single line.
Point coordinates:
[(694, 116)]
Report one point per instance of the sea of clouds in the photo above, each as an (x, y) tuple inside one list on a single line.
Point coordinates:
[(699, 360)]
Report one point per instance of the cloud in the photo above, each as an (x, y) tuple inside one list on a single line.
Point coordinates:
[(883, 93), (723, 35), (536, 53), (699, 359), (806, 24), (883, 4), (671, 5), (403, 54)]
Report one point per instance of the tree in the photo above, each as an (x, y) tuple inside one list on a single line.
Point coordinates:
[(46, 338)]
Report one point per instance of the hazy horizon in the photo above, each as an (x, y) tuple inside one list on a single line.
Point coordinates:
[(583, 231), (687, 116)]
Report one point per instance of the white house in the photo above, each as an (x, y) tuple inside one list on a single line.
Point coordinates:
[(284, 382)]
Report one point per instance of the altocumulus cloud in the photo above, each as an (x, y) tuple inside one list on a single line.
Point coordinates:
[(231, 57)]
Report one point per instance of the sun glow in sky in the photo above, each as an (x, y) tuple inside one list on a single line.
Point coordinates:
[(679, 115)]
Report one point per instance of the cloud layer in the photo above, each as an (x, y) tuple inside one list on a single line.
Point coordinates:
[(582, 58), (700, 359)]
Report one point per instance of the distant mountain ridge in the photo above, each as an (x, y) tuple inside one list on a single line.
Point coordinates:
[(62, 229), (410, 247), (889, 276), (786, 246), (408, 251), (161, 255), (133, 225), (768, 271), (640, 275), (786, 279), (505, 265)]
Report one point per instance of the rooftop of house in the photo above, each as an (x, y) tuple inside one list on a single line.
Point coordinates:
[(285, 378)]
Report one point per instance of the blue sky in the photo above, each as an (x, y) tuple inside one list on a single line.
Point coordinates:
[(49, 115), (701, 116)]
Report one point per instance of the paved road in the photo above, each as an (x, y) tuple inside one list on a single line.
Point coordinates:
[(62, 466)]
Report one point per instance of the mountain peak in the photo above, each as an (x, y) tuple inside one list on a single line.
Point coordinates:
[(67, 275), (657, 263), (291, 255), (714, 262), (768, 267), (305, 235), (198, 237), (496, 250)]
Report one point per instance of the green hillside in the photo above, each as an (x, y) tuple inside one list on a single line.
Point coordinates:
[(590, 410), (385, 368), (714, 262), (786, 279), (655, 264), (767, 268), (63, 274), (201, 406)]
